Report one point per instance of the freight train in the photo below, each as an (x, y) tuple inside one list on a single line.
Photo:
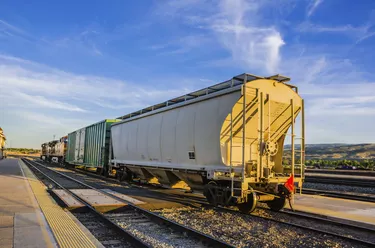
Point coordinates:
[(226, 140)]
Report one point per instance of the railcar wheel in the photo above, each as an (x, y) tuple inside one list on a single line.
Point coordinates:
[(119, 175), (210, 192), (277, 204), (250, 205)]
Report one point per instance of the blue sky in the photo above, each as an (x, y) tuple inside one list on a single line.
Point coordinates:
[(69, 64)]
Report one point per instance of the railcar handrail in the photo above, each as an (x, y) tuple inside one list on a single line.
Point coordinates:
[(235, 81)]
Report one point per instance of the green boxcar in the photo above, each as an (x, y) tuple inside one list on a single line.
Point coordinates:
[(89, 146)]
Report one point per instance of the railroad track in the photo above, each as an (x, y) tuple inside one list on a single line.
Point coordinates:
[(113, 234), (323, 224), (364, 234), (120, 222), (367, 173), (334, 194), (352, 181)]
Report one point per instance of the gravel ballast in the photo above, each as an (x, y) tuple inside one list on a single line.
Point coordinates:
[(248, 231), (103, 233), (153, 234)]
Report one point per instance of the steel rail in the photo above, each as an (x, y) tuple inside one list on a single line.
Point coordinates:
[(341, 181), (334, 194), (367, 173), (206, 239), (304, 215), (130, 238)]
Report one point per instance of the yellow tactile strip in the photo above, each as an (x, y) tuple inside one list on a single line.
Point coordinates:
[(66, 231)]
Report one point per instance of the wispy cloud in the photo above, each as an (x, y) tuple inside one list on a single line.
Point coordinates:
[(56, 102), (311, 8), (10, 29), (357, 32), (41, 101), (310, 27), (86, 41), (237, 25), (40, 85), (332, 87), (180, 45), (47, 122), (15, 33), (368, 34)]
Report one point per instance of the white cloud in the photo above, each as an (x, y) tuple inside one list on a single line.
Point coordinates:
[(180, 45), (9, 29), (339, 100), (310, 27), (359, 32), (238, 26), (51, 122), (37, 101), (41, 101), (250, 43), (367, 35), (30, 78), (311, 8)]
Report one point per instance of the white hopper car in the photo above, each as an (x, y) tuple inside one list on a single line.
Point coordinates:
[(227, 140)]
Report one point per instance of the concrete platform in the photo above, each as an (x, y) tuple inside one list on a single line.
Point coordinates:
[(339, 208), (30, 218)]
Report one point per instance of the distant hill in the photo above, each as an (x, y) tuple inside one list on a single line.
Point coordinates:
[(337, 151)]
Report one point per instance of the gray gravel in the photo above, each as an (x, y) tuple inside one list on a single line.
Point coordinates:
[(153, 234), (248, 231), (104, 234), (339, 188), (344, 230)]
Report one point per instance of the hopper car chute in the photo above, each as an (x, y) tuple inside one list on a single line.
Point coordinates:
[(226, 140)]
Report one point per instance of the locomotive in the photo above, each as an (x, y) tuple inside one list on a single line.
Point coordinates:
[(55, 150)]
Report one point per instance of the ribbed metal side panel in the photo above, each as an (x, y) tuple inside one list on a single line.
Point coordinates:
[(97, 144), (70, 152)]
